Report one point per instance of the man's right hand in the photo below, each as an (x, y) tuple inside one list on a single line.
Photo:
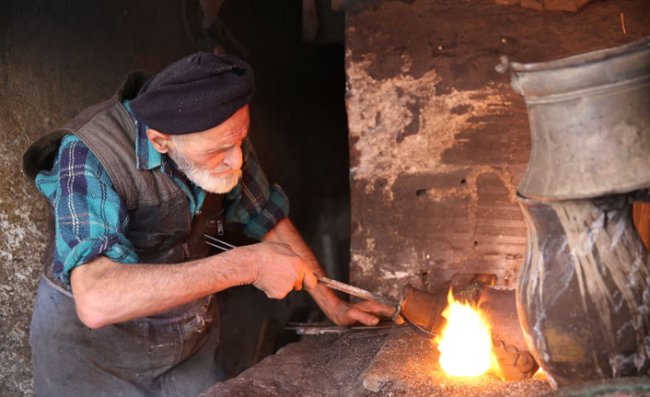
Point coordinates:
[(277, 269), (107, 292)]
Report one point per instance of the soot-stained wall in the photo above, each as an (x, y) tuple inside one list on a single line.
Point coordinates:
[(438, 139)]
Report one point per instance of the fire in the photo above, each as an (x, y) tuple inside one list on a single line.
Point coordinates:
[(465, 344)]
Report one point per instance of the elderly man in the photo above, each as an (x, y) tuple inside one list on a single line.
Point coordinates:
[(126, 306)]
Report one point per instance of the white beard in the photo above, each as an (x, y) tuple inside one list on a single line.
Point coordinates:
[(204, 178)]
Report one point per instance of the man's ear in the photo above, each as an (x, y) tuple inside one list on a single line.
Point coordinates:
[(160, 141)]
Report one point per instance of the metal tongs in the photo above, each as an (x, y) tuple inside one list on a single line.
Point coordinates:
[(421, 310)]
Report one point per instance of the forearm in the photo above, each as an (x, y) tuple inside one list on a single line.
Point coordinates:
[(285, 232), (107, 292)]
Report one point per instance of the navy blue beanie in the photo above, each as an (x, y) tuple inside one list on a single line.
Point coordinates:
[(195, 93)]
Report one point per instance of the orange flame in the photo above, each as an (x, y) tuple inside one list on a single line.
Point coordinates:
[(465, 344)]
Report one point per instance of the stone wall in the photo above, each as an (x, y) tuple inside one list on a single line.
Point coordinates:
[(55, 59), (439, 140)]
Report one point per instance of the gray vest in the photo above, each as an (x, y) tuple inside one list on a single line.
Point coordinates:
[(169, 354), (160, 225)]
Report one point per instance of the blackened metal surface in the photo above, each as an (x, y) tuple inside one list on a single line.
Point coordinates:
[(584, 291)]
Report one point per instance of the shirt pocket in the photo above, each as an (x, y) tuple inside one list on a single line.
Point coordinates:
[(150, 241)]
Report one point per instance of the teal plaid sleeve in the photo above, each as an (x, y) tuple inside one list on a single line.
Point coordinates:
[(254, 205), (90, 217)]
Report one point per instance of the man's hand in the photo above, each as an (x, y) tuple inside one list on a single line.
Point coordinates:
[(340, 312), (365, 312), (278, 269)]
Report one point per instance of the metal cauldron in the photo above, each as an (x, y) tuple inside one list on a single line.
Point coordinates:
[(583, 296), (590, 122)]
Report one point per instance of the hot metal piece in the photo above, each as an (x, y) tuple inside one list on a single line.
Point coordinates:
[(422, 310)]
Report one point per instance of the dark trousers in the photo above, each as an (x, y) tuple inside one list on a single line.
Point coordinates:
[(170, 355)]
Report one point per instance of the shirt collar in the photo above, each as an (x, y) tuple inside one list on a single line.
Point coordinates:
[(146, 157)]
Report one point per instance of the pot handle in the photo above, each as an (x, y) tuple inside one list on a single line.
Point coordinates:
[(506, 67), (642, 195)]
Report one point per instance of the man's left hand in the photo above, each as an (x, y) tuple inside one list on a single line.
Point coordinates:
[(365, 312)]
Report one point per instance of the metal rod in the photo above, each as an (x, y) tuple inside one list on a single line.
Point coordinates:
[(230, 246), (328, 328), (355, 291), (222, 245), (333, 284), (217, 246)]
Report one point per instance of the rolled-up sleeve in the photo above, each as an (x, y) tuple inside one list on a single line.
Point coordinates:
[(254, 205), (89, 216)]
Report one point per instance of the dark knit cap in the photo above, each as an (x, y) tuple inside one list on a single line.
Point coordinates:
[(194, 94)]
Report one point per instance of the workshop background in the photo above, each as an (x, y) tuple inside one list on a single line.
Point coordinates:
[(397, 142)]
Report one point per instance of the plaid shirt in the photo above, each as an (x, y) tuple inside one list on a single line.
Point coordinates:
[(91, 218)]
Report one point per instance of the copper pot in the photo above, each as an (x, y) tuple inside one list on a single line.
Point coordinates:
[(589, 117)]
